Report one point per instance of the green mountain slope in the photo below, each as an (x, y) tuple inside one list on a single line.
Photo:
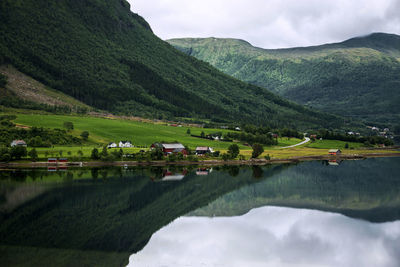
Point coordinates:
[(102, 54), (359, 77)]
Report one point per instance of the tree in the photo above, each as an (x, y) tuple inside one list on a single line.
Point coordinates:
[(85, 135), (188, 131), (17, 152), (4, 155), (95, 154), (68, 125), (202, 134), (257, 150), (80, 153), (233, 150), (33, 154), (346, 145)]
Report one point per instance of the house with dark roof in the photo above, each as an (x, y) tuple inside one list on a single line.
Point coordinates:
[(112, 145)]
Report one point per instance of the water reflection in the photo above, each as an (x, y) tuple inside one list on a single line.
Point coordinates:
[(100, 216), (273, 236)]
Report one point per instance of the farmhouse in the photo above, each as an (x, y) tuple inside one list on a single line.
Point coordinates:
[(170, 148), (202, 150), (18, 143), (112, 145), (335, 152), (125, 144)]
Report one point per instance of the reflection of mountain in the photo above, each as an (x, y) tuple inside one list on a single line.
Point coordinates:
[(108, 215), (368, 189)]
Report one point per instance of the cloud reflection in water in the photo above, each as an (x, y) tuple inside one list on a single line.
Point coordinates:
[(273, 236)]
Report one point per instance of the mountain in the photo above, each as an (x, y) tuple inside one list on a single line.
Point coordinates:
[(359, 77), (107, 57)]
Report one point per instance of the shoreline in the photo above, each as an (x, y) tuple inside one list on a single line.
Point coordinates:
[(200, 162)]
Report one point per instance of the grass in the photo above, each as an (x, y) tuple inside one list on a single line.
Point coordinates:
[(332, 144)]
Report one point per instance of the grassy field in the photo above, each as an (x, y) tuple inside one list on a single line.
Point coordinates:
[(143, 134)]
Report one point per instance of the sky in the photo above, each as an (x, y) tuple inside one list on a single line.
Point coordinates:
[(270, 23)]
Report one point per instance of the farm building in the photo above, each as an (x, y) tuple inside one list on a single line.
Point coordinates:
[(201, 150), (170, 148), (112, 145), (125, 144), (18, 143), (335, 152)]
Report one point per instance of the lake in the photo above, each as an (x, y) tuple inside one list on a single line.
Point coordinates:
[(308, 214)]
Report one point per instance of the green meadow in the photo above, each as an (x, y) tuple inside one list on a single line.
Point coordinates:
[(141, 134), (332, 144)]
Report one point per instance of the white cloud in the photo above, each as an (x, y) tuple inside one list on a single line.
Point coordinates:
[(273, 236), (270, 23)]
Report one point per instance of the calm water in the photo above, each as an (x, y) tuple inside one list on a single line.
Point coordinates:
[(310, 214)]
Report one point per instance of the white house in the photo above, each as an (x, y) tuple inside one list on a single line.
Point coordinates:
[(202, 150), (125, 144), (112, 145), (18, 143)]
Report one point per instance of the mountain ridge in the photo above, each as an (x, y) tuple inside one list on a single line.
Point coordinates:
[(359, 76)]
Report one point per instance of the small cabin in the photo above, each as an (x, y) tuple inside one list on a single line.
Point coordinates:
[(125, 144), (112, 145), (170, 148), (335, 152), (202, 150), (18, 143)]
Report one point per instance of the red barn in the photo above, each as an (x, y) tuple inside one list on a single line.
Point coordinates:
[(170, 148)]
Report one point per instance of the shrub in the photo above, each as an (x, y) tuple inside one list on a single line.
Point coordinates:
[(68, 125), (226, 156), (85, 135), (171, 157)]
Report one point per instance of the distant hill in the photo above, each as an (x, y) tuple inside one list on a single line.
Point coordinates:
[(359, 77), (107, 57)]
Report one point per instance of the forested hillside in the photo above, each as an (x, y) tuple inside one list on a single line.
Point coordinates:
[(358, 78), (104, 55)]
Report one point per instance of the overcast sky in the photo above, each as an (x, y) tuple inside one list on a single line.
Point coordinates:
[(270, 23)]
